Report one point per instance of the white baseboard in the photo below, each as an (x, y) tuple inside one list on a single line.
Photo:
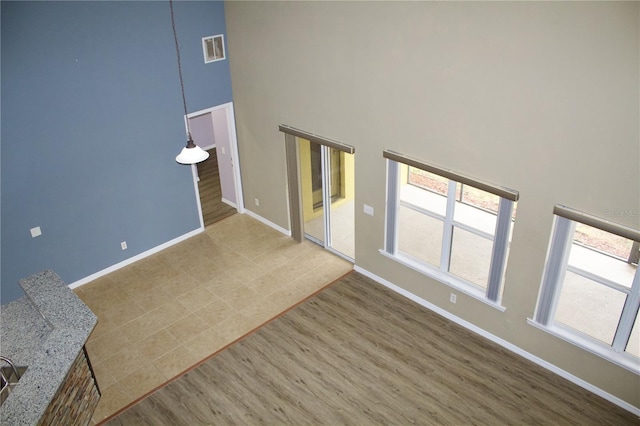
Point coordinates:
[(513, 348), (268, 223), (135, 258), (168, 244), (227, 202)]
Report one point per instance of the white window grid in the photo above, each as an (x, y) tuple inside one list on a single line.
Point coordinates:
[(557, 265), (500, 237)]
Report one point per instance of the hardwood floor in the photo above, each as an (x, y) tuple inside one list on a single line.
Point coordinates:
[(357, 353), (213, 208)]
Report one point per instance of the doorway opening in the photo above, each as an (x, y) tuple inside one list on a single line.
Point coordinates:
[(210, 191), (327, 181), (217, 179), (321, 177)]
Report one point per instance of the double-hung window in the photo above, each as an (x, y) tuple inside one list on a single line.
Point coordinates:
[(590, 292), (448, 226)]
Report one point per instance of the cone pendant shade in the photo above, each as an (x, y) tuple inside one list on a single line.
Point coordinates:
[(192, 154)]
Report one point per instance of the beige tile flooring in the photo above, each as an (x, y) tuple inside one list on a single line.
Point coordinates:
[(160, 316)]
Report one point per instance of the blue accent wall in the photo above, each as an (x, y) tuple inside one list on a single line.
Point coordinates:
[(92, 120)]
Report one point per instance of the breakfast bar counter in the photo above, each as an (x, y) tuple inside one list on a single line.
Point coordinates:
[(46, 331)]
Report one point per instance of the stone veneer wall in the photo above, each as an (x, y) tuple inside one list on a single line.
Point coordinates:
[(77, 398)]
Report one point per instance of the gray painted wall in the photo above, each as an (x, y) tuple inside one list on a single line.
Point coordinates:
[(92, 120)]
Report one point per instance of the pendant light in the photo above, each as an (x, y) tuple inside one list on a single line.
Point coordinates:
[(190, 154)]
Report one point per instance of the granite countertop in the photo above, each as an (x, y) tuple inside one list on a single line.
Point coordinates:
[(44, 331)]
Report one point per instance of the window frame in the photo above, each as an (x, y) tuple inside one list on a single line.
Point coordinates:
[(492, 294), (556, 266)]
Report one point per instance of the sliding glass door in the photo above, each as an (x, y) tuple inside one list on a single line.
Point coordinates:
[(327, 189)]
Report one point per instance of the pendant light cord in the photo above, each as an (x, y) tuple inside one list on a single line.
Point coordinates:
[(184, 99)]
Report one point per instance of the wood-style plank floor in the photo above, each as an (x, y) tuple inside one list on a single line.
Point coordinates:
[(213, 208), (357, 353)]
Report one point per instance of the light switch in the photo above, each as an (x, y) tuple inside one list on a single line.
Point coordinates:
[(35, 232)]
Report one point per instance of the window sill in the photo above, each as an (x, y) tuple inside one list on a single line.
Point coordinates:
[(624, 360), (445, 278)]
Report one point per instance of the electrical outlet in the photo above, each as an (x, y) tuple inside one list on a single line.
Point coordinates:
[(123, 245), (257, 202), (452, 298)]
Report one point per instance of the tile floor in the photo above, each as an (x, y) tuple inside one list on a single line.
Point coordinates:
[(160, 316)]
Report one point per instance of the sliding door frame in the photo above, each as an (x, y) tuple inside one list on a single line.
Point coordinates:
[(294, 181)]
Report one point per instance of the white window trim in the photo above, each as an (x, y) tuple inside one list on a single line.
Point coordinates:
[(500, 239), (556, 266), (451, 280), (600, 280), (591, 345), (212, 39)]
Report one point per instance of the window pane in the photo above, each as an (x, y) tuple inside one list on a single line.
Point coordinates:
[(427, 180), (342, 211), (424, 199), (312, 194), (419, 235), (601, 264), (470, 257), (633, 346), (603, 241), (479, 199), (473, 217), (590, 307)]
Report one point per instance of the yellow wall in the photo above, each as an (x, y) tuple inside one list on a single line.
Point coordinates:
[(306, 187), (347, 178)]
